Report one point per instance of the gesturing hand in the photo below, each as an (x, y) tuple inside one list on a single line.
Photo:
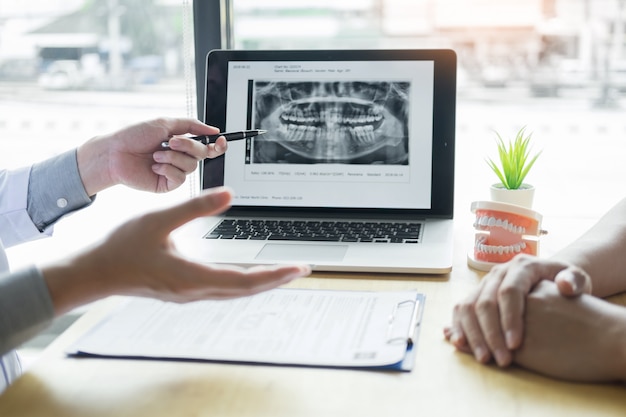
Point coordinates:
[(139, 259)]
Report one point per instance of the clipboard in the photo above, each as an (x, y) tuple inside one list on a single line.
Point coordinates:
[(292, 327)]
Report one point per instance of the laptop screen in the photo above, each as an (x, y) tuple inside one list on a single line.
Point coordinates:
[(357, 130)]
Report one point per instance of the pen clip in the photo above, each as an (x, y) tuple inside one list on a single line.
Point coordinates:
[(203, 139)]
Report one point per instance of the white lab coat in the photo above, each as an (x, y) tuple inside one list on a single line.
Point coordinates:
[(31, 199), (16, 227)]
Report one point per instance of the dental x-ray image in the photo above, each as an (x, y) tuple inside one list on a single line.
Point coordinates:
[(342, 122)]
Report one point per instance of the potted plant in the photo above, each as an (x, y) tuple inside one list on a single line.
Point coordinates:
[(515, 162)]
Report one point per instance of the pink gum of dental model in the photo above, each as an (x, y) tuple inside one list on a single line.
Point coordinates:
[(502, 232)]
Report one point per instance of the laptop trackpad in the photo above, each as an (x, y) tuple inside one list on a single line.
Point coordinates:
[(302, 253)]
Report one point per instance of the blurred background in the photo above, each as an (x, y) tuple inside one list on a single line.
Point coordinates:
[(73, 69), (549, 47)]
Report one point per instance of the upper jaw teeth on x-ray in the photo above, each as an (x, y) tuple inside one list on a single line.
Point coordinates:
[(332, 122)]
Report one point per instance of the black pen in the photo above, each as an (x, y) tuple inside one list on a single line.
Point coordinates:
[(206, 139)]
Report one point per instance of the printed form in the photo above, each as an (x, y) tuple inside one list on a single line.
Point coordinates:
[(282, 326)]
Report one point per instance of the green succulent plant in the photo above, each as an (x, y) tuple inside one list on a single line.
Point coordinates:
[(515, 160)]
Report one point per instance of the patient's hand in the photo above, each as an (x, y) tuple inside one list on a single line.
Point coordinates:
[(488, 323), (578, 339)]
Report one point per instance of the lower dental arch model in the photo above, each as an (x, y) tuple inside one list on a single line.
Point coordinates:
[(502, 232)]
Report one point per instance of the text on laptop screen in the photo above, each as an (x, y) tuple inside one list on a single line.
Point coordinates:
[(339, 133)]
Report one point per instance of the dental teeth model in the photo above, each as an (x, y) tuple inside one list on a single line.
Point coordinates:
[(502, 232)]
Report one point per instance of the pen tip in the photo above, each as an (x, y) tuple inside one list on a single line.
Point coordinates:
[(262, 131)]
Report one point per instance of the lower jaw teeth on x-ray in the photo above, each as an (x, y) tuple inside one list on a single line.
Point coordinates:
[(331, 122)]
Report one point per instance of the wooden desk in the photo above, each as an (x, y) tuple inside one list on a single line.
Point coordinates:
[(443, 382)]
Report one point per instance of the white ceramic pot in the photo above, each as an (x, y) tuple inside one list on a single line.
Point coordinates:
[(522, 196)]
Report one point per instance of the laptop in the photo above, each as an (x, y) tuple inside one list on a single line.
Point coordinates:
[(355, 172)]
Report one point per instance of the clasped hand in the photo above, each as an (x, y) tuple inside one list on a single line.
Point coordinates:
[(535, 313)]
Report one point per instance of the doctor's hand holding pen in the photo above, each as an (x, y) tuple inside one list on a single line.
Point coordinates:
[(134, 157)]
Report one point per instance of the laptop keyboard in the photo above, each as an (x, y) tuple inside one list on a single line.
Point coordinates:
[(320, 231)]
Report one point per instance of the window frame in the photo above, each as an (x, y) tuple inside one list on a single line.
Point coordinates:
[(212, 29)]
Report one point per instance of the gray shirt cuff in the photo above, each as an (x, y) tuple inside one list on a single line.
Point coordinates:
[(25, 307), (55, 189)]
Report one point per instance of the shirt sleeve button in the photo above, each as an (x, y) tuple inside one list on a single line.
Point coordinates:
[(61, 203)]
